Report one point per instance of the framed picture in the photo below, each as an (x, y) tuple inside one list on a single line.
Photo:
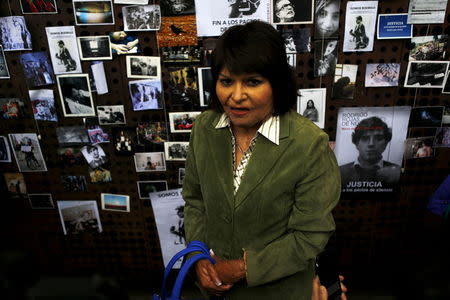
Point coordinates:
[(311, 104), (149, 161), (4, 72), (143, 67), (15, 35), (41, 201), (426, 74), (292, 12), (94, 47), (176, 150), (205, 84), (75, 95), (93, 12), (5, 154), (182, 121), (38, 7), (115, 202), (27, 152), (147, 187), (141, 17), (79, 216), (146, 94), (111, 115)]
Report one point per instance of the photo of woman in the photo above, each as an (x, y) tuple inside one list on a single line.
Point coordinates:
[(327, 19)]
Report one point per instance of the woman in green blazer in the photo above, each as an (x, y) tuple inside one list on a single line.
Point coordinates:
[(261, 180)]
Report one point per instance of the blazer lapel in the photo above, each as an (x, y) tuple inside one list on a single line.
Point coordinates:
[(264, 157)]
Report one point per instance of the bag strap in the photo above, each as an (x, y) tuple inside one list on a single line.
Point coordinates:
[(176, 292)]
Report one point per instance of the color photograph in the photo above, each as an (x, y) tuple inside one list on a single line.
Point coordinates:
[(93, 12), (74, 183), (38, 6), (420, 147), (11, 109), (149, 162), (15, 183), (182, 121), (37, 69), (151, 186), (153, 132), (178, 31), (124, 43), (115, 202), (431, 47)]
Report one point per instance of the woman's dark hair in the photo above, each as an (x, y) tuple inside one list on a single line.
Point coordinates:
[(255, 47)]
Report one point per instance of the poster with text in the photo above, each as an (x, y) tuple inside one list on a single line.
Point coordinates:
[(63, 48), (427, 11), (360, 22), (394, 26)]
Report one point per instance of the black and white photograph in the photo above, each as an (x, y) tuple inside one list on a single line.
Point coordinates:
[(97, 135), (94, 155), (382, 75), (79, 217), (214, 17), (143, 67), (27, 152), (122, 42), (446, 116), (297, 40), (124, 139), (111, 115), (442, 138), (311, 103), (94, 47), (149, 161), (420, 147), (370, 146), (446, 88), (168, 209), (326, 19), (426, 116), (146, 94), (43, 103), (205, 84), (41, 201), (426, 74), (344, 81), (176, 150), (427, 11), (72, 135), (74, 183), (114, 202), (325, 57), (11, 108), (38, 6), (181, 54), (151, 186), (177, 7), (37, 69), (4, 71), (93, 12), (292, 59), (154, 132), (360, 24), (183, 87), (62, 44), (14, 34), (292, 11), (431, 47), (75, 95), (100, 175), (182, 121), (141, 17), (181, 175), (69, 156), (5, 153), (15, 183)]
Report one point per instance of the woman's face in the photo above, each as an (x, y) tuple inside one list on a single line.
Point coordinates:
[(246, 99), (330, 48), (328, 19), (310, 104)]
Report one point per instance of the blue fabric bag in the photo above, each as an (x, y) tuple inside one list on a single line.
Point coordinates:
[(194, 246)]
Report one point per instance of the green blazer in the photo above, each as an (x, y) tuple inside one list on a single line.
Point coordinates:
[(281, 213)]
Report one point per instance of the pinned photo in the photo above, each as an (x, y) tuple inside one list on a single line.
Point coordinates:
[(311, 104), (75, 95), (326, 18), (446, 88), (141, 17), (183, 87), (69, 156), (149, 162), (62, 44), (14, 34), (43, 103), (79, 216), (41, 201), (205, 84), (94, 155), (115, 202), (292, 12), (37, 69), (181, 175), (426, 74), (94, 47), (4, 72), (124, 43), (72, 135), (27, 152), (147, 187), (146, 94), (97, 135), (177, 7), (5, 154), (176, 150), (178, 31), (297, 40), (442, 138), (428, 47), (360, 24), (93, 12), (111, 115), (182, 121), (100, 175), (74, 183), (143, 67), (426, 116), (344, 81), (325, 57), (11, 108), (15, 183), (382, 75), (38, 7), (419, 147), (124, 140), (155, 132), (181, 54)]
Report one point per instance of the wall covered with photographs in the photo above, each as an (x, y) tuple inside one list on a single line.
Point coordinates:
[(98, 104)]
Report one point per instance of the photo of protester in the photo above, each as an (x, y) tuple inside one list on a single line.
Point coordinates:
[(27, 152), (382, 75), (14, 34), (141, 17), (37, 69)]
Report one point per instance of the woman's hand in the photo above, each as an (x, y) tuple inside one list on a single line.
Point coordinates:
[(319, 292), (209, 279), (229, 271)]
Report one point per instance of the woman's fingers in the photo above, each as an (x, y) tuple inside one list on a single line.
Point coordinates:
[(208, 278)]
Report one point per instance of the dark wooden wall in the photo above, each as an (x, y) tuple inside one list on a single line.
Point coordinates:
[(372, 233)]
